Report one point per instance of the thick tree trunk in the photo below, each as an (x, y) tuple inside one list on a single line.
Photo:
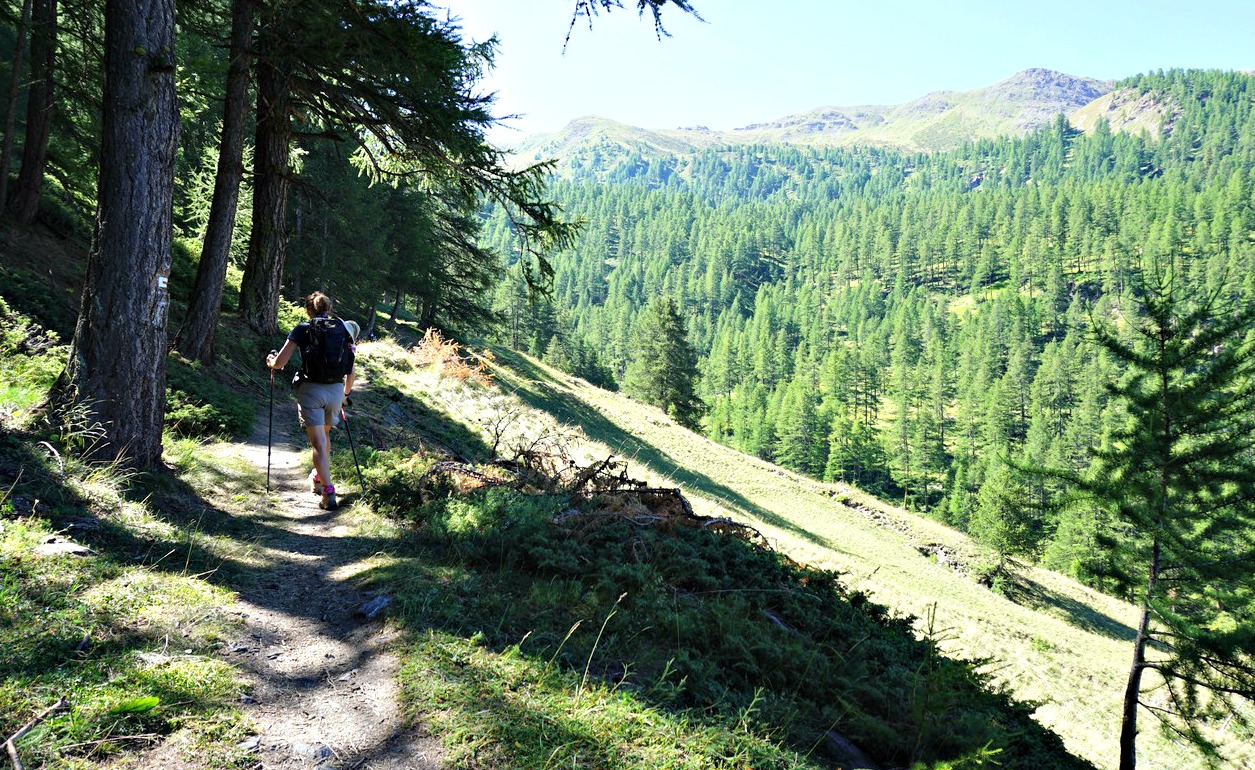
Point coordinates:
[(117, 370), (196, 338), (30, 180), (1133, 691), (10, 112), (267, 246)]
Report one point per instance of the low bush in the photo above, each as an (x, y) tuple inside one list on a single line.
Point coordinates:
[(704, 625), (31, 359), (198, 405)]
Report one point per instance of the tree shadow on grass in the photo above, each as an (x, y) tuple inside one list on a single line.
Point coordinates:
[(706, 630), (542, 392), (58, 628), (1029, 593)]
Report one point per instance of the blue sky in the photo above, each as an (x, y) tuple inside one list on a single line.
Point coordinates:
[(755, 61)]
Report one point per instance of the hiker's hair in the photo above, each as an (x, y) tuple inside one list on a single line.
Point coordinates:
[(318, 303)]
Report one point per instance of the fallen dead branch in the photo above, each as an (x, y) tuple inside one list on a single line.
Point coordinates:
[(600, 493), (664, 508), (11, 744)]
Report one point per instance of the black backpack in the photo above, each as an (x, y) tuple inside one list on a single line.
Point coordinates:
[(329, 355)]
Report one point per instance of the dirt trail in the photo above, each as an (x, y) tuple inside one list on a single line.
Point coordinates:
[(324, 690)]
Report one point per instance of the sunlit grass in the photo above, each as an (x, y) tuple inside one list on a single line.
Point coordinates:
[(505, 709), (1077, 675), (130, 649)]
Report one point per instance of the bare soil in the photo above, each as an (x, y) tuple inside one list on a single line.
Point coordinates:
[(323, 677)]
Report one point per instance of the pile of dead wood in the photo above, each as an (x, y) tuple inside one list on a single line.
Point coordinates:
[(600, 493)]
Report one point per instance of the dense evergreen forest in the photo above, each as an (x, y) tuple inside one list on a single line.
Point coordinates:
[(910, 323)]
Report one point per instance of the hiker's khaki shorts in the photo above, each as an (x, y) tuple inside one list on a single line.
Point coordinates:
[(318, 403)]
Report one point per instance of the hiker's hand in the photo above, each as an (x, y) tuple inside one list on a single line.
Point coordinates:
[(270, 359), (347, 402)]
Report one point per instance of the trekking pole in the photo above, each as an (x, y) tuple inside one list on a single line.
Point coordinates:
[(345, 416), (270, 423)]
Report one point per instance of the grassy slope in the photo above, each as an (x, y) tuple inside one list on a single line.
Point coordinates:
[(484, 583), (1060, 643), (800, 514)]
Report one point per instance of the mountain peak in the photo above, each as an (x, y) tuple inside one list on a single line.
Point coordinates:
[(1051, 85)]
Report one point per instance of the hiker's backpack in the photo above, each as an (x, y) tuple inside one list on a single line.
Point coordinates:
[(329, 356)]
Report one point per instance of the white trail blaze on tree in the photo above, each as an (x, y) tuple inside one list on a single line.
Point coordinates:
[(117, 362)]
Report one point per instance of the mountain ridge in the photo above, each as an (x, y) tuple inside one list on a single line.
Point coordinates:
[(937, 120)]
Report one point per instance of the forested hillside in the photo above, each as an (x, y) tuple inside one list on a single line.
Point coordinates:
[(932, 327), (908, 322)]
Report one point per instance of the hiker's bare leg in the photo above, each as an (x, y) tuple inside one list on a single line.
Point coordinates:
[(326, 428), (320, 440)]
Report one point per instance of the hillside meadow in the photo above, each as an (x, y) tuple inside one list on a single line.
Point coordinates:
[(1057, 643)]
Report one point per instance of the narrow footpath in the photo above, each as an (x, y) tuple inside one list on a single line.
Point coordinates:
[(324, 677)]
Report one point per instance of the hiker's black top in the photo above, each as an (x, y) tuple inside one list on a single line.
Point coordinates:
[(302, 335)]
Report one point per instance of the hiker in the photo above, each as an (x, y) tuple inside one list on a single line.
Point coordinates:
[(325, 380)]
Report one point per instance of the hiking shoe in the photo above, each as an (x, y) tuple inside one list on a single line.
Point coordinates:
[(328, 502), (315, 483)]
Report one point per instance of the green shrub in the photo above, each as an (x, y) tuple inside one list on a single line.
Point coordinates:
[(31, 359), (198, 405), (290, 314), (705, 624), (184, 259)]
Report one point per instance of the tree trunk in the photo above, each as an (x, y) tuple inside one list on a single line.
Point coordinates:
[(267, 246), (196, 338), (1132, 692), (321, 278), (10, 113), (372, 311), (117, 361), (39, 103), (396, 309), (298, 270)]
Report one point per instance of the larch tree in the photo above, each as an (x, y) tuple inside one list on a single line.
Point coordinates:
[(196, 337), (1179, 474), (116, 372), (24, 204), (263, 271), (663, 370), (401, 82)]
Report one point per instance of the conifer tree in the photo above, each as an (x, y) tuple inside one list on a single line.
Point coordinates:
[(663, 371), (798, 445), (119, 346), (1005, 519), (1179, 474)]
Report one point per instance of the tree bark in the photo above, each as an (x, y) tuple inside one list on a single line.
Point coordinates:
[(1132, 692), (267, 246), (39, 103), (116, 372), (196, 338), (373, 315), (10, 113), (396, 309)]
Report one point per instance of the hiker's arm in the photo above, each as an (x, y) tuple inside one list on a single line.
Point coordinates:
[(348, 383), (280, 359)]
